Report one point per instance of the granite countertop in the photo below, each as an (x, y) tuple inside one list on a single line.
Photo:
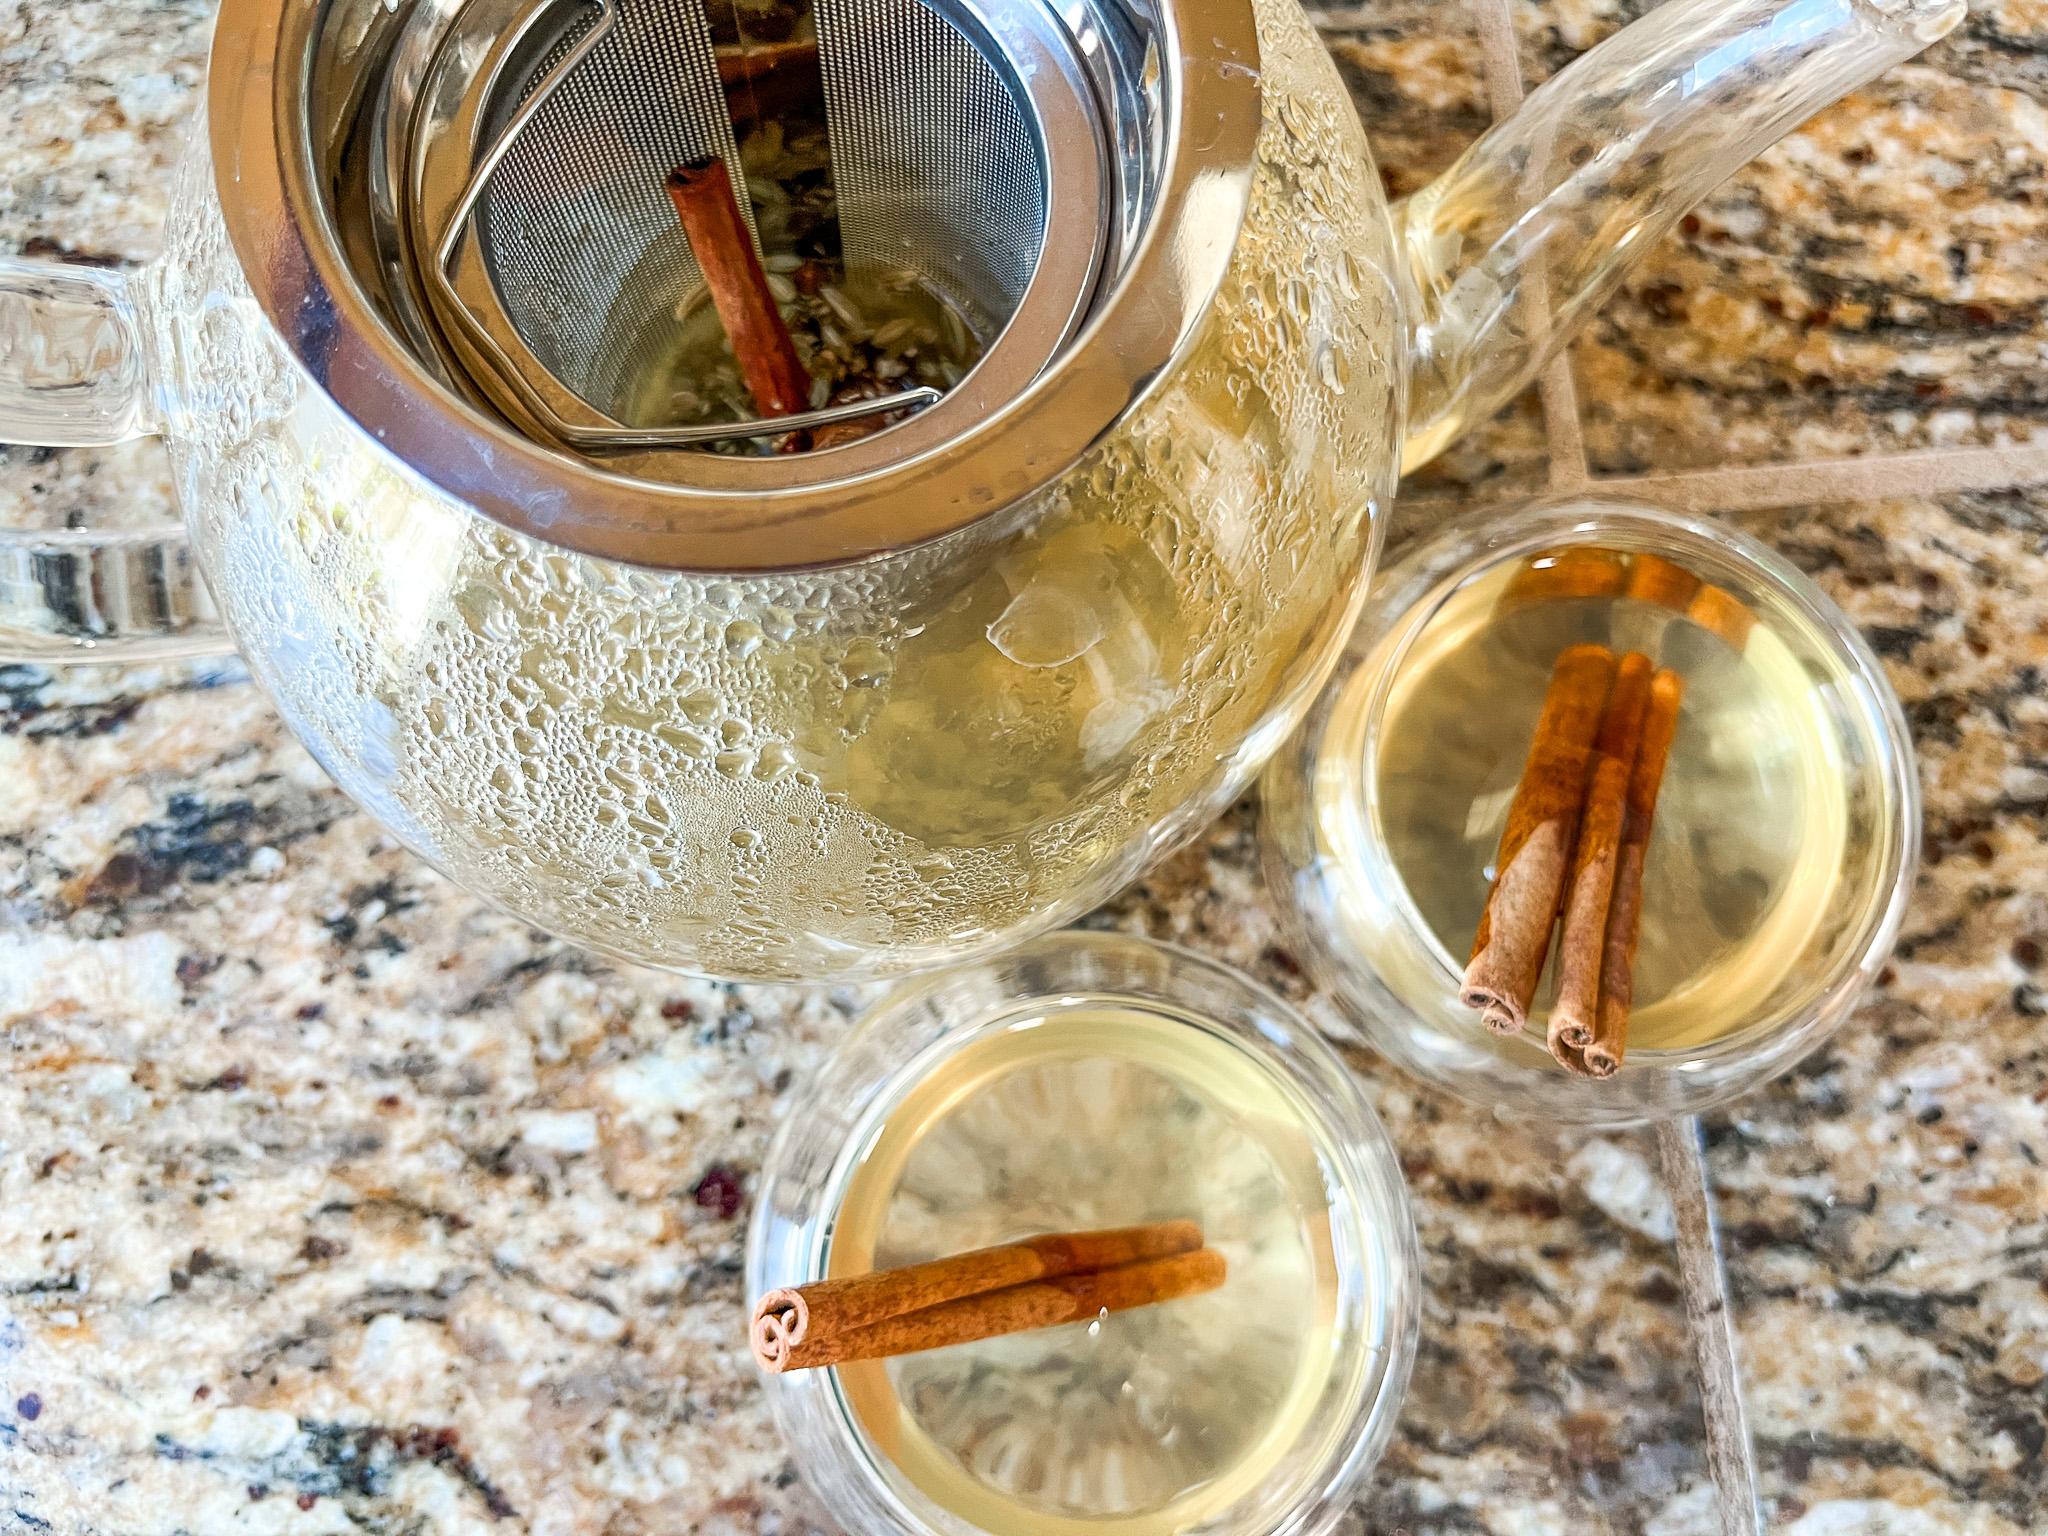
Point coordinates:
[(330, 1199)]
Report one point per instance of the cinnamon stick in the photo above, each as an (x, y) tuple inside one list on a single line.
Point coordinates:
[(776, 377), (1585, 920), (795, 1325), (1593, 861), (1514, 931), (1621, 723), (1625, 915), (1714, 610), (1580, 571), (1653, 579), (1039, 1304)]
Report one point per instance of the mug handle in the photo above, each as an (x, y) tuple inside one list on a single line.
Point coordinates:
[(75, 371)]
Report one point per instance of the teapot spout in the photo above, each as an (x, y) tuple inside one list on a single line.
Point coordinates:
[(1510, 250)]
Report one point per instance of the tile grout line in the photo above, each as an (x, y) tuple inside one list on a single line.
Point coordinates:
[(1758, 487), (1703, 1274)]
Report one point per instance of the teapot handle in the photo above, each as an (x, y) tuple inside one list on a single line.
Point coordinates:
[(75, 372), (1511, 249)]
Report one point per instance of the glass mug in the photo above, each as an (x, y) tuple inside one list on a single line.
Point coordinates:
[(1792, 784), (906, 700), (904, 1129)]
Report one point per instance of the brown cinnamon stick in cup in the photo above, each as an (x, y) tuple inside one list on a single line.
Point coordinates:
[(1015, 1309), (1585, 920), (1535, 847), (791, 1327), (1625, 915), (1714, 610), (1621, 723), (1653, 579), (1579, 571), (776, 377), (1593, 860)]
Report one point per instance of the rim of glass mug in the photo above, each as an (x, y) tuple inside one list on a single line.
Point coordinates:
[(915, 1029), (1517, 1076)]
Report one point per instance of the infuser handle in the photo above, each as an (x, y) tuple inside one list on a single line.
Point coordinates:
[(1524, 238), (75, 372)]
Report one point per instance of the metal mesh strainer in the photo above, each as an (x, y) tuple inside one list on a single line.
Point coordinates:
[(552, 255)]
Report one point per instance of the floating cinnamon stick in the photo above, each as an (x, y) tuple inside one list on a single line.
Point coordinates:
[(1653, 579), (1585, 919), (1514, 931), (776, 377), (1602, 1056), (1714, 610), (1592, 881), (1580, 571), (1621, 723), (1014, 1309), (794, 1329)]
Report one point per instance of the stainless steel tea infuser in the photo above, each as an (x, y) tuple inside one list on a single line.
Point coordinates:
[(954, 148), (500, 164)]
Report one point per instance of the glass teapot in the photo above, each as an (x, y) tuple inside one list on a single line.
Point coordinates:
[(883, 705)]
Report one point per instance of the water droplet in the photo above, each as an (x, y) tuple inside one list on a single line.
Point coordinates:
[(866, 664), (686, 741), (1332, 367), (743, 637), (1046, 626), (1347, 275), (776, 759)]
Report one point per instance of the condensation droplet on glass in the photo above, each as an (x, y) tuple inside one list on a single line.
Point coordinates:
[(1047, 626), (866, 664), (1332, 367)]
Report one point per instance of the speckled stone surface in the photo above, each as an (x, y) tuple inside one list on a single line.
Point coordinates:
[(331, 1200), (1876, 282)]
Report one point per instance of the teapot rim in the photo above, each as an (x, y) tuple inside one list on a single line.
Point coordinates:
[(283, 232)]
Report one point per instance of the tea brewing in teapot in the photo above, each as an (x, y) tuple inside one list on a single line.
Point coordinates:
[(1131, 344)]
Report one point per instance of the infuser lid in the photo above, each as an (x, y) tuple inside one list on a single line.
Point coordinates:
[(471, 197)]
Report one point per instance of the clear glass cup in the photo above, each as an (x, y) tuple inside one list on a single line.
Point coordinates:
[(1358, 922), (803, 1208)]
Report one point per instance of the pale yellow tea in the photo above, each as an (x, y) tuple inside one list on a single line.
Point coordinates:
[(1143, 1421), (1746, 849)]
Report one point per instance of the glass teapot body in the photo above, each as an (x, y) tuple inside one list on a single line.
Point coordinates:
[(850, 770)]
